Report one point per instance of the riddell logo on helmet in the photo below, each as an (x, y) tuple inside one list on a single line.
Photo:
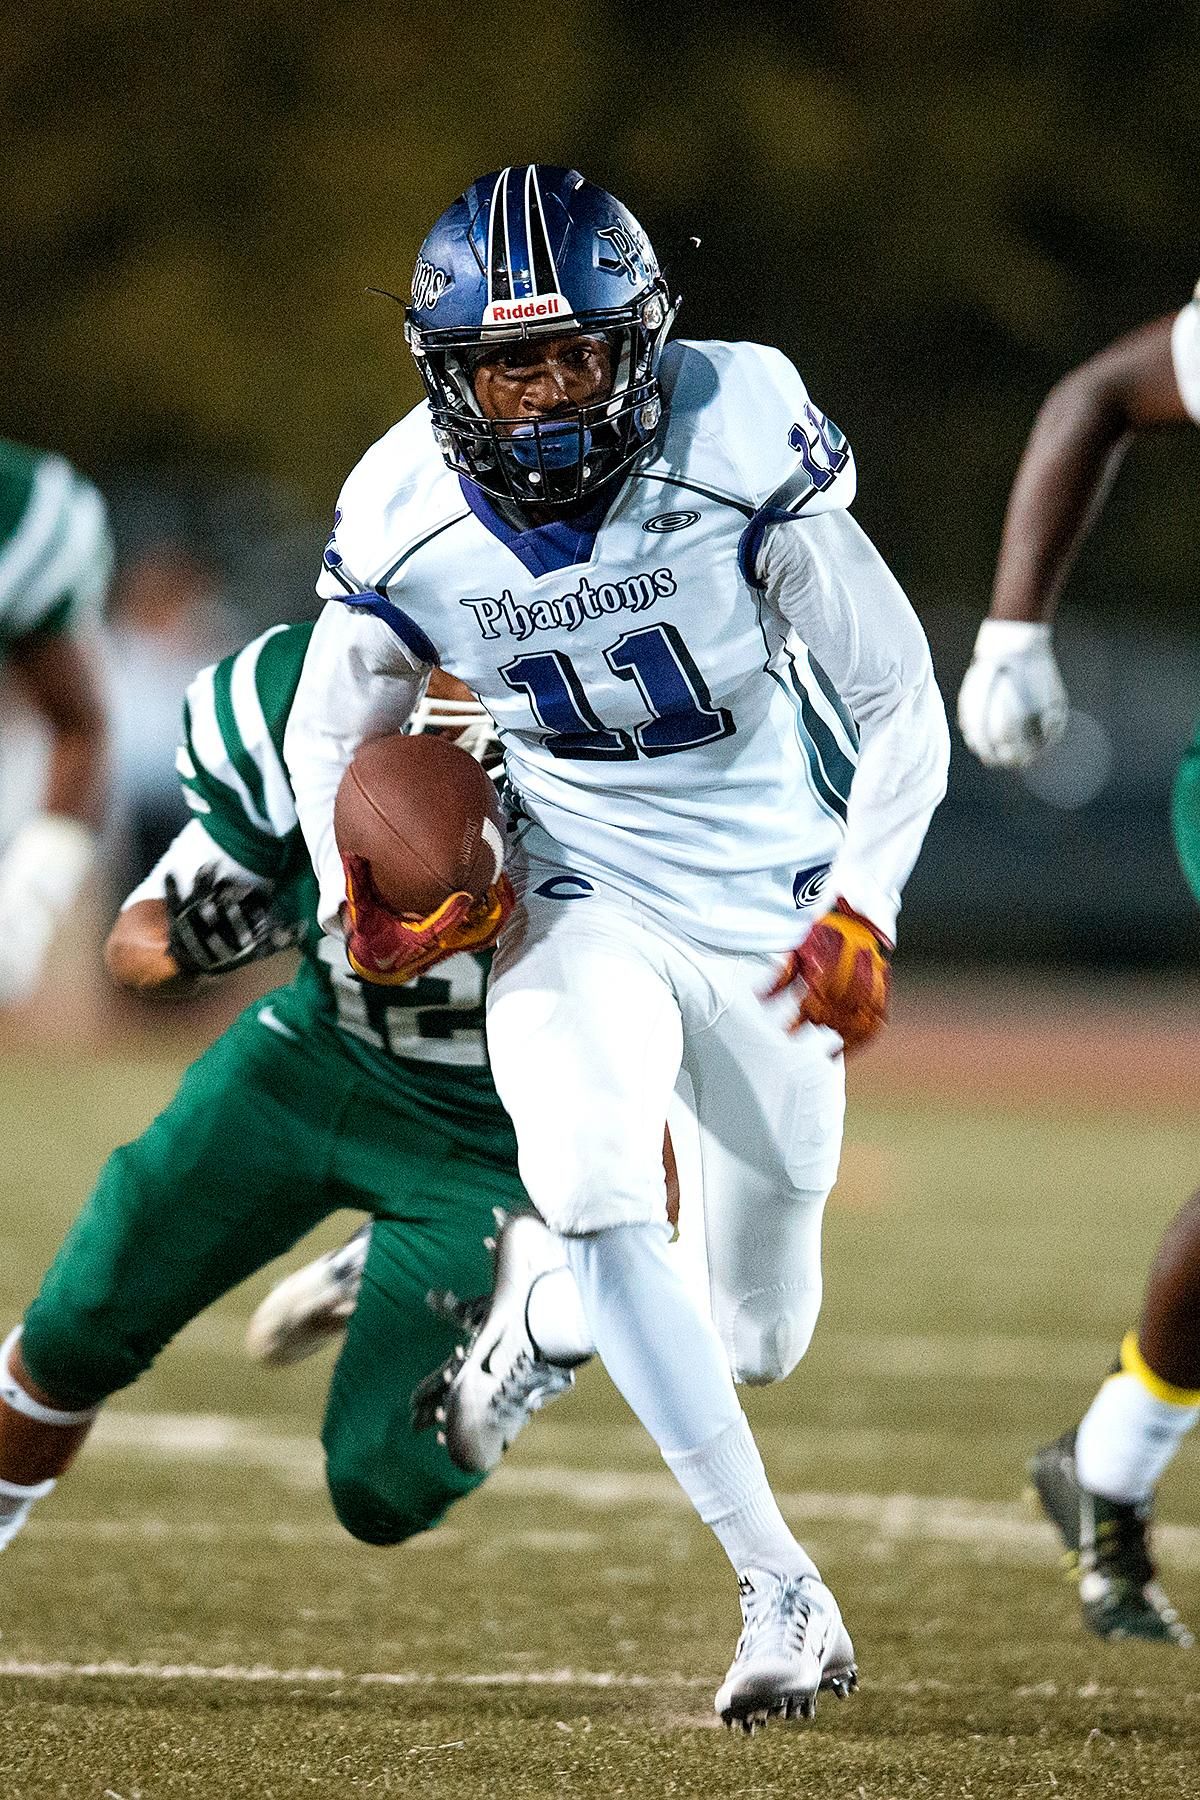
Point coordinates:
[(514, 312)]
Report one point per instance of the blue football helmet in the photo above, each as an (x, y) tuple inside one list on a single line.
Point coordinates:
[(538, 251)]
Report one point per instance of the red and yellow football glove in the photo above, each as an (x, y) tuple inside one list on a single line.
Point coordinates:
[(388, 950), (841, 975)]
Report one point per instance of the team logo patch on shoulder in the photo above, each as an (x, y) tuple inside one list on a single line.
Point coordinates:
[(671, 521)]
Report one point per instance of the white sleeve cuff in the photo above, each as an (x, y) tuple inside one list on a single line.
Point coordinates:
[(48, 859), (1185, 354), (863, 895), (997, 640), (184, 857)]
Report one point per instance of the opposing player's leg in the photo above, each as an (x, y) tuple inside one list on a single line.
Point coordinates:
[(228, 1177), (433, 1200), (1097, 1482), (586, 1036)]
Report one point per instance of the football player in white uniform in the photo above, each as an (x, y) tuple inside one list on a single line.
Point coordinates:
[(1097, 1481), (639, 557)]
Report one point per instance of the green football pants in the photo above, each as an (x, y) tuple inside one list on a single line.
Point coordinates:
[(1185, 814), (266, 1136)]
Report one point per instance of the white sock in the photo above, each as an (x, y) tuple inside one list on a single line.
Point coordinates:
[(664, 1355), (16, 1503), (727, 1484), (1127, 1438), (555, 1321)]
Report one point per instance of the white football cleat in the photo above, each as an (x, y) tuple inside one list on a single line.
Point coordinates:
[(482, 1395), (793, 1644), (303, 1311), (16, 1504)]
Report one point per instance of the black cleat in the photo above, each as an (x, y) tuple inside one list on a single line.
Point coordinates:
[(1107, 1551)]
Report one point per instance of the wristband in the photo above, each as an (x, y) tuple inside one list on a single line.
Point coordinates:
[(48, 860), (999, 639)]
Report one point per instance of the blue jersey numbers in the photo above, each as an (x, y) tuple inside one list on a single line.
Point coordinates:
[(552, 685), (682, 714)]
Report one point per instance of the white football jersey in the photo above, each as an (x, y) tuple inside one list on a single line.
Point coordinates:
[(1185, 353), (665, 724)]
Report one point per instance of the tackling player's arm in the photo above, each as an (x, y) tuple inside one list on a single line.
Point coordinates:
[(1012, 703), (137, 953), (830, 584), (198, 912)]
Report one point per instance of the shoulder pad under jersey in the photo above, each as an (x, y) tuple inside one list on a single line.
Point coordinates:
[(398, 496)]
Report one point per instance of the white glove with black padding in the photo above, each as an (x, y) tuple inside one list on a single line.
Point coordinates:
[(41, 872), (1012, 704), (222, 923)]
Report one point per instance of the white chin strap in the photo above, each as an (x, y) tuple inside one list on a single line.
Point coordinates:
[(13, 1395)]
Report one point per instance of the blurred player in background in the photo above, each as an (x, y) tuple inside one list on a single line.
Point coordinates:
[(639, 557), (56, 561), (1097, 1482), (325, 1094)]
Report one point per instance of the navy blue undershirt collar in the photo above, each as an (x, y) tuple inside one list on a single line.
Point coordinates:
[(542, 548)]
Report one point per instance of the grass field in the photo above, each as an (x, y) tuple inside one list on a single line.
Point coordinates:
[(184, 1617)]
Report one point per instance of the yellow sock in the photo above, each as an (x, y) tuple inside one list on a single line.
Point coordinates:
[(1134, 1363)]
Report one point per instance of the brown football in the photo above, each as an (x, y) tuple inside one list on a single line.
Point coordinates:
[(426, 818)]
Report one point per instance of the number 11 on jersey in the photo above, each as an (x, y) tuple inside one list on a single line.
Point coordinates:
[(682, 712)]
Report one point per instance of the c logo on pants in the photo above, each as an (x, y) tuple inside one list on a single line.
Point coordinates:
[(565, 887)]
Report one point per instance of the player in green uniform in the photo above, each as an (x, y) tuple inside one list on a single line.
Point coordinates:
[(326, 1093), (55, 565)]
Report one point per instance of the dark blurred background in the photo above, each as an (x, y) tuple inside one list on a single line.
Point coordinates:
[(935, 208)]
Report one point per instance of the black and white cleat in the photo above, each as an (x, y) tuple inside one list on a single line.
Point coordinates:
[(311, 1307), (489, 1389), (793, 1647), (1107, 1550)]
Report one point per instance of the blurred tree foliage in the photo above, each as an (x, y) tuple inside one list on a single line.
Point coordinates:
[(935, 206)]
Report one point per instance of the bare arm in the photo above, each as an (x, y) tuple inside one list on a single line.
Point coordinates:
[(136, 953), (58, 676), (46, 862), (198, 912), (1069, 463)]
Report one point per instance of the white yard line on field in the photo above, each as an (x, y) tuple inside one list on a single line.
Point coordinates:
[(258, 1674), (998, 1529)]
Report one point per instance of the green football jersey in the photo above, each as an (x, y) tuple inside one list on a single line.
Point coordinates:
[(426, 1035), (55, 550)]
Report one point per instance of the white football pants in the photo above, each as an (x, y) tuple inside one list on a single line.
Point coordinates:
[(600, 1023)]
